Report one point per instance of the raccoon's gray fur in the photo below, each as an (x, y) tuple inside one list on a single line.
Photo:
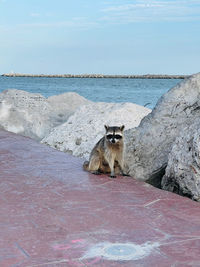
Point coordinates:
[(107, 156)]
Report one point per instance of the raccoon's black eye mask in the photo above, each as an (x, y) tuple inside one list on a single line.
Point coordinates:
[(114, 136)]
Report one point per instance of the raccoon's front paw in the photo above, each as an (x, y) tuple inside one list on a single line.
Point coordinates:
[(113, 176), (124, 174), (96, 172)]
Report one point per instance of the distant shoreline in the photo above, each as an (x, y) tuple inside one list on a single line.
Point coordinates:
[(146, 76)]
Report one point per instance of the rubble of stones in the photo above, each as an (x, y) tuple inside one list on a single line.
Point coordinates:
[(162, 145)]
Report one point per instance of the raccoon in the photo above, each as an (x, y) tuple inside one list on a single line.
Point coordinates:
[(107, 156)]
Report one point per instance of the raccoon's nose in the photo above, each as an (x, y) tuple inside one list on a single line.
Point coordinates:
[(113, 141)]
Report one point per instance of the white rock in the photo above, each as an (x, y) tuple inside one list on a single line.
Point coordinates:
[(149, 144), (86, 126), (182, 174), (65, 104), (32, 114)]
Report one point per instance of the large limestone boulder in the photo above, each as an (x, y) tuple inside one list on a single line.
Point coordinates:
[(182, 174), (149, 144), (64, 105), (86, 126), (32, 114), (24, 113)]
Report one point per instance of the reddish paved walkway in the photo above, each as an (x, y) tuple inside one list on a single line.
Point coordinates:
[(54, 214)]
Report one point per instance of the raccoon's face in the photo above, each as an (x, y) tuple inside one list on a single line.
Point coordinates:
[(114, 134)]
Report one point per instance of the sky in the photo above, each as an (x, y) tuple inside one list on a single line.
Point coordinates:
[(100, 36)]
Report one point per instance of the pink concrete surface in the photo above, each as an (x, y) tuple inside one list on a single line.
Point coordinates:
[(52, 213)]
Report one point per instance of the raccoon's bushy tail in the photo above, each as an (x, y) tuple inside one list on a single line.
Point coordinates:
[(86, 165)]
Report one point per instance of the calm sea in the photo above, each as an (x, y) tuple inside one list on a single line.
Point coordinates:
[(139, 91)]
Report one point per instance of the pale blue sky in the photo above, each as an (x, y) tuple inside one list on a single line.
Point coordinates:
[(100, 36)]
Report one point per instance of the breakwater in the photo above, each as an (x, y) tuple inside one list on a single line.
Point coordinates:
[(146, 76)]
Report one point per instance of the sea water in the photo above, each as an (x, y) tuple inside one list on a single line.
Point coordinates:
[(145, 92)]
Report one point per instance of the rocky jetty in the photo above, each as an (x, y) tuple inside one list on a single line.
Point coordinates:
[(33, 115), (145, 76), (162, 145), (86, 126), (149, 145)]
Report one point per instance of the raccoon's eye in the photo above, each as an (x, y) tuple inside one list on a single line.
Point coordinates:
[(109, 136), (117, 136)]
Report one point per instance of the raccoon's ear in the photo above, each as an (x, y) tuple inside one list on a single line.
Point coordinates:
[(106, 127), (122, 127)]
